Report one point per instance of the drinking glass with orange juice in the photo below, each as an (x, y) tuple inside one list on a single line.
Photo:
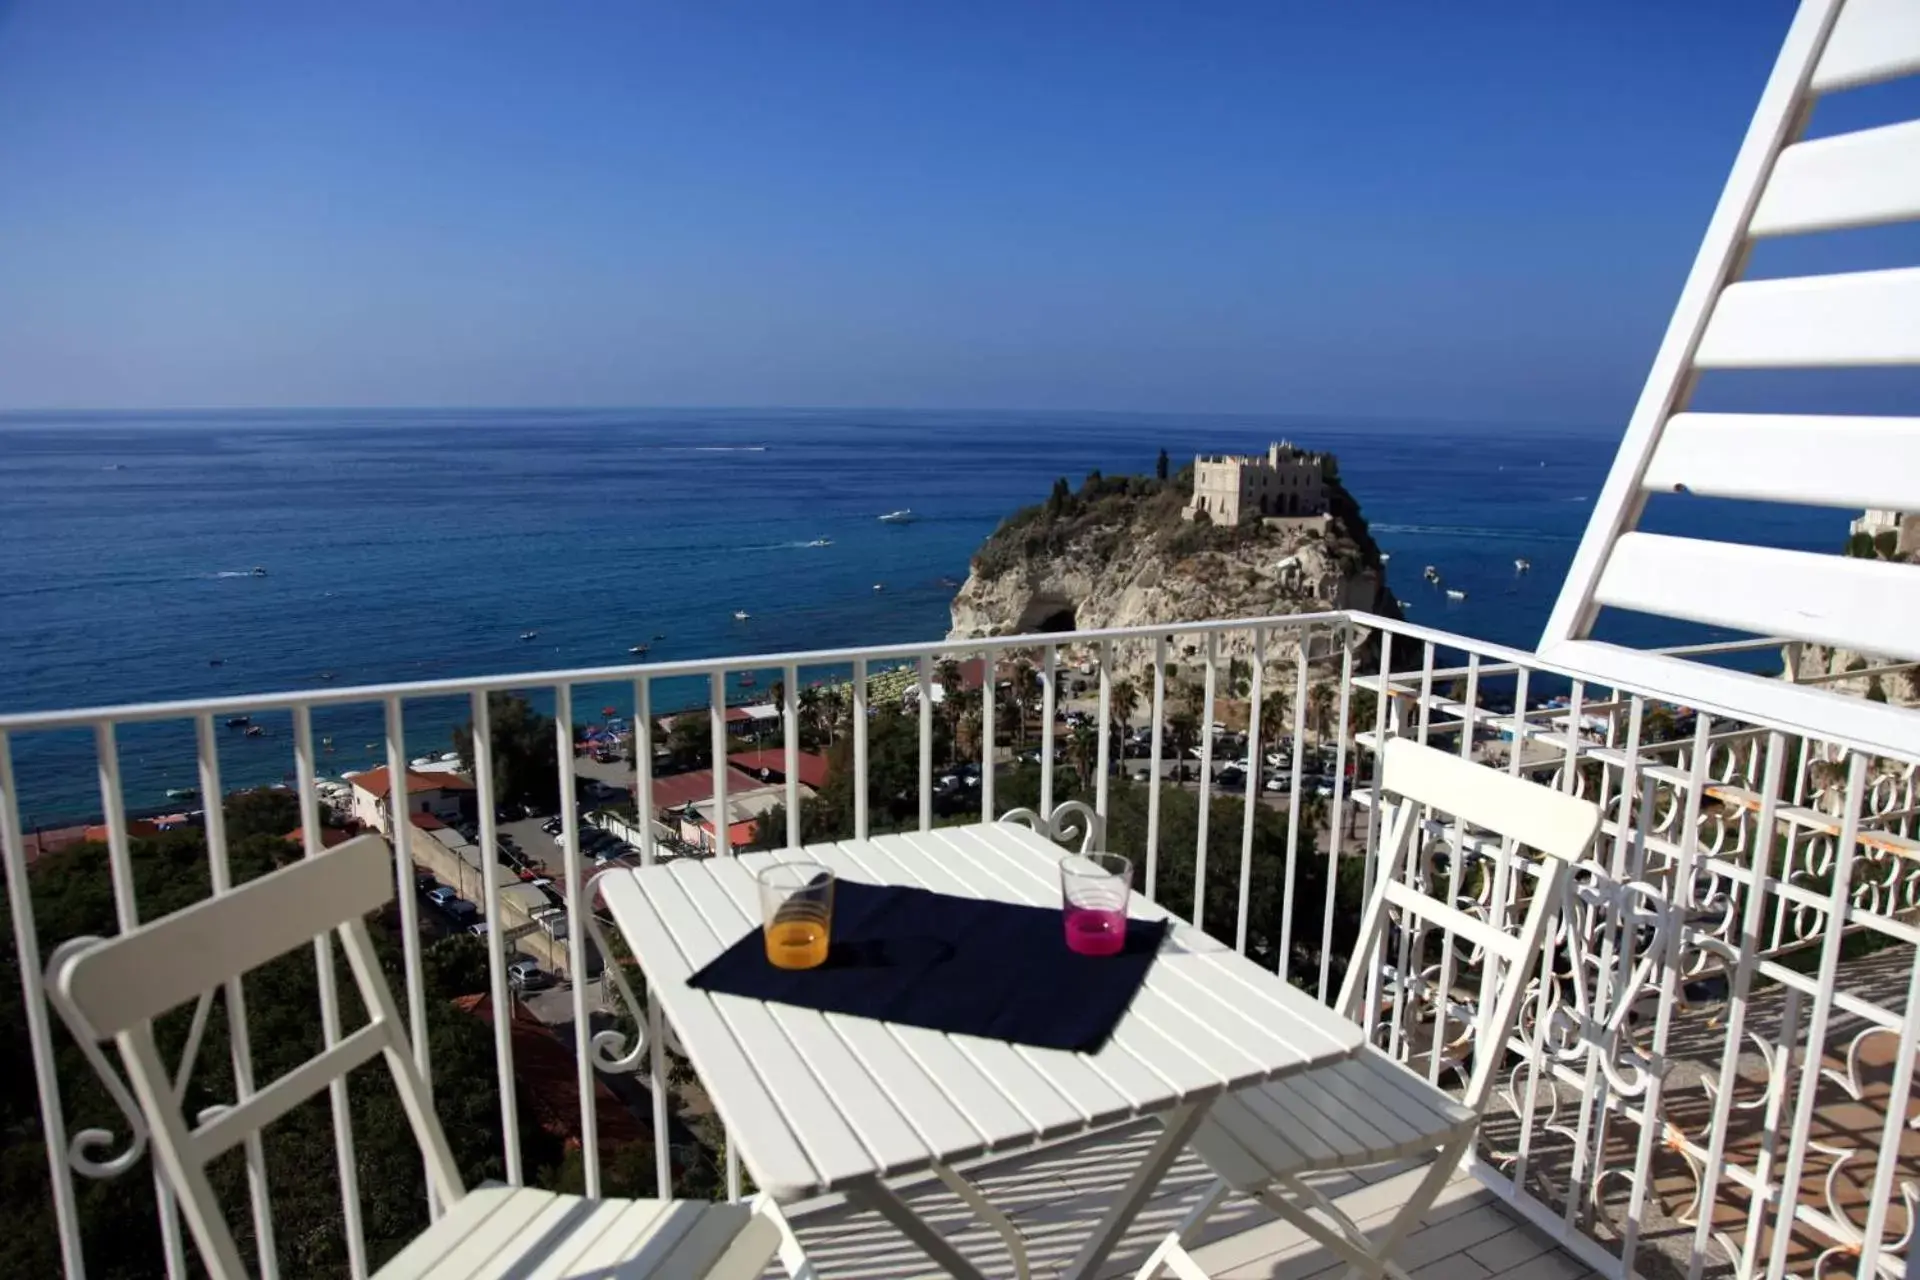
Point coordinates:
[(796, 903)]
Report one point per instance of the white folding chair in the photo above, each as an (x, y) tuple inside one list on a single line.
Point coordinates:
[(112, 989), (1369, 1109)]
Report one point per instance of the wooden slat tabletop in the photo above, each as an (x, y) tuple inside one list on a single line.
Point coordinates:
[(819, 1101)]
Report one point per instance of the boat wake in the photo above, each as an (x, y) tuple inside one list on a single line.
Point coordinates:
[(1473, 531)]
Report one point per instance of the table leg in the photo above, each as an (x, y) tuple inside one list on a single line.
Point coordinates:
[(878, 1196), (1179, 1126), (984, 1210)]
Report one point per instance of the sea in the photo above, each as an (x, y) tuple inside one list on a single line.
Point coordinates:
[(146, 557)]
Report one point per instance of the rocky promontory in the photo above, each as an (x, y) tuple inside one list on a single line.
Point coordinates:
[(1118, 552)]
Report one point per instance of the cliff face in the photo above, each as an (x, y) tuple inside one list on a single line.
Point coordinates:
[(1118, 554)]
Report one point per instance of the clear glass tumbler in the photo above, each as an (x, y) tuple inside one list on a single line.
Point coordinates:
[(1093, 898), (796, 904)]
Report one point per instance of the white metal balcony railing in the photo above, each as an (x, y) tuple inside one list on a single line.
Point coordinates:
[(1720, 1049)]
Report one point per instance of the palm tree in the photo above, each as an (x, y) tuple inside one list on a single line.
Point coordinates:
[(966, 722), (1319, 707), (1183, 727), (1124, 701), (946, 674), (1083, 747), (1026, 692), (1276, 716), (809, 710)]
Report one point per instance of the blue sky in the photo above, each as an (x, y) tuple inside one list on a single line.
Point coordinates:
[(1453, 210)]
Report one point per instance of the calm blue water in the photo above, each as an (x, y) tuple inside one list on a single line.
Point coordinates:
[(405, 545)]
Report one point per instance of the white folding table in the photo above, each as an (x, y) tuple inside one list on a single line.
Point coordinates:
[(819, 1102)]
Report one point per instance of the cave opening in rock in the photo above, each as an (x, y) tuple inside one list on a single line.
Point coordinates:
[(1047, 613)]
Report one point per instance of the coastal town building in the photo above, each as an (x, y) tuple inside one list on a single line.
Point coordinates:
[(1233, 488), (769, 766), (444, 795), (1904, 526)]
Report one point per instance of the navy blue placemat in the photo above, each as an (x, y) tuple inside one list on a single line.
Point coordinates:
[(962, 965)]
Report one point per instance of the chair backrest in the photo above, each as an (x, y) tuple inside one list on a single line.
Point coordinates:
[(115, 987), (1414, 778), (1782, 186)]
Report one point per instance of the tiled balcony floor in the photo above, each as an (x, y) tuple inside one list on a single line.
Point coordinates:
[(1056, 1195)]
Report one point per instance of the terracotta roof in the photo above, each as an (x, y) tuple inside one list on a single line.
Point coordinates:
[(427, 822), (329, 836), (677, 789), (739, 834), (36, 843), (375, 782), (812, 765), (136, 828)]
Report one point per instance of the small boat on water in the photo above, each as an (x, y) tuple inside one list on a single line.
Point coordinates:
[(255, 731), (903, 516), (529, 635), (259, 571), (821, 542), (1404, 604), (1522, 565), (637, 649), (1431, 574), (747, 681), (741, 615), (181, 793), (216, 662), (1385, 556), (239, 722), (878, 586), (329, 675), (1455, 594)]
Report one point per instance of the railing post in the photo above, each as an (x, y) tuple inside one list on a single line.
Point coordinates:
[(26, 946), (1154, 757), (579, 946), (989, 735), (722, 811), (1211, 678), (860, 780), (344, 1156), (498, 993)]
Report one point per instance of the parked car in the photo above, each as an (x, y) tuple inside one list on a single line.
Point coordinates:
[(440, 895), (423, 882), (478, 929), (525, 975)]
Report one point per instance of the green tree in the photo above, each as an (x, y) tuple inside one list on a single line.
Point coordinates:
[(1860, 546), (264, 811), (1124, 702), (690, 741), (526, 754), (1276, 715), (73, 897), (1083, 750), (1886, 543), (1160, 467), (1183, 729)]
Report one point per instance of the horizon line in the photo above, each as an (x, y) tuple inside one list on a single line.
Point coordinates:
[(1213, 414)]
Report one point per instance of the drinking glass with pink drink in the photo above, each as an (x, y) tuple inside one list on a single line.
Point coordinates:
[(1093, 899)]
